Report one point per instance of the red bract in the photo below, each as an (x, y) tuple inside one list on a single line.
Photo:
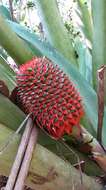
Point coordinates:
[(46, 92)]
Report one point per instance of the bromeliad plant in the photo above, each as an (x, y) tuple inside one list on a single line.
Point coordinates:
[(61, 90), (46, 92)]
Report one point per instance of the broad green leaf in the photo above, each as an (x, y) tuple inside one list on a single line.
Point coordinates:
[(35, 51), (6, 38), (55, 30), (16, 47), (10, 114), (85, 16), (5, 12), (99, 36), (105, 85), (84, 60), (88, 94), (7, 74)]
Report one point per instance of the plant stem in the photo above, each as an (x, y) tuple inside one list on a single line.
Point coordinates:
[(22, 148), (55, 30), (101, 103), (11, 10), (15, 46), (27, 159)]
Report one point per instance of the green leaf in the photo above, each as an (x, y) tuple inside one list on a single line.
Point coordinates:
[(99, 36), (16, 47), (105, 85), (5, 12), (10, 114), (7, 74), (85, 16), (55, 30), (84, 59)]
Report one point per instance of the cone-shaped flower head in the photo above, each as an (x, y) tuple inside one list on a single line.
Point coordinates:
[(46, 91)]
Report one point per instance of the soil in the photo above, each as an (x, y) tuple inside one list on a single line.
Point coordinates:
[(3, 181)]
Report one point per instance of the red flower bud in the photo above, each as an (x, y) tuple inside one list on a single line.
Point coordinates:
[(46, 91)]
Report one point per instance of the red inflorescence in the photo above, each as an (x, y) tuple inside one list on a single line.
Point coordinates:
[(46, 91)]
